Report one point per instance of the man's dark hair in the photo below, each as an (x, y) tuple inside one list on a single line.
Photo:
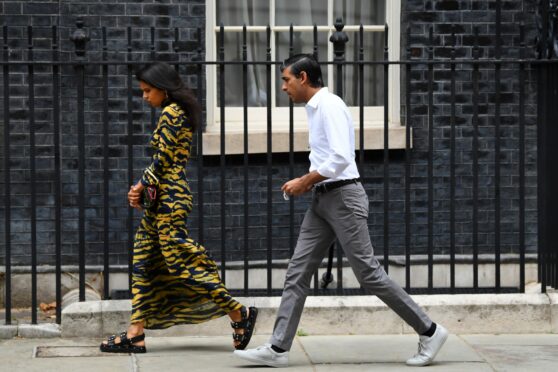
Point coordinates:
[(308, 64)]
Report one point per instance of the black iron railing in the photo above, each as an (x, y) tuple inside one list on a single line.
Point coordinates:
[(389, 162), (547, 141)]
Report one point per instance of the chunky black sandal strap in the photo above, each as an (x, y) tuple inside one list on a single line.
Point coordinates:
[(124, 340), (248, 330), (244, 319), (137, 338), (126, 345), (123, 349), (239, 325), (237, 337), (112, 338)]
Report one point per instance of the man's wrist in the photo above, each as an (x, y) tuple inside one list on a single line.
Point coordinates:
[(312, 178)]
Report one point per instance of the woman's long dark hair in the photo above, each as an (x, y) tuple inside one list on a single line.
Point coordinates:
[(163, 76)]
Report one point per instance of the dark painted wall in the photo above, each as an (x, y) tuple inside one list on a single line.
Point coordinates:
[(188, 16)]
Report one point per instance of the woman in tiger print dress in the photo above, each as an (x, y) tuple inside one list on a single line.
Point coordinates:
[(174, 281)]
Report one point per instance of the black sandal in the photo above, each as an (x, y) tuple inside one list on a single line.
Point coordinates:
[(247, 323), (126, 345)]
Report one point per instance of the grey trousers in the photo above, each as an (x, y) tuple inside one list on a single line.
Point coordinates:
[(341, 213)]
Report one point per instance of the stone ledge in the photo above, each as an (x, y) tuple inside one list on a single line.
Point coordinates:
[(46, 330), (554, 311), (482, 313), (8, 331), (257, 140), (39, 330)]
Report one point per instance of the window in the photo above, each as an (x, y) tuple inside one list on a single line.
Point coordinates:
[(302, 14)]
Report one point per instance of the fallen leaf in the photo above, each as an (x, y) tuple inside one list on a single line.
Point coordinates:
[(46, 307)]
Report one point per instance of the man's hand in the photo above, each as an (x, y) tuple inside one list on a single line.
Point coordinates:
[(299, 186), (134, 195), (295, 187)]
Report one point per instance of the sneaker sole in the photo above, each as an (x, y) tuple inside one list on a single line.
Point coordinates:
[(260, 361)]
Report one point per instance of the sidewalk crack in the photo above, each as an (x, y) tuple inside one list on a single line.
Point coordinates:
[(306, 353), (134, 367)]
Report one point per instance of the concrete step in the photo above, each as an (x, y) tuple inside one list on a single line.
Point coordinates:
[(357, 315)]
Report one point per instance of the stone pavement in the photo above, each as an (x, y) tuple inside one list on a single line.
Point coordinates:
[(525, 352)]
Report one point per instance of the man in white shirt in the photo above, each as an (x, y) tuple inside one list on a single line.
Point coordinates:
[(339, 210)]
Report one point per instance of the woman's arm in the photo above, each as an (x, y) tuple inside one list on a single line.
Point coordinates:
[(169, 126)]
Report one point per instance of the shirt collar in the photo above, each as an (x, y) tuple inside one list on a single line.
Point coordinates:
[(315, 100)]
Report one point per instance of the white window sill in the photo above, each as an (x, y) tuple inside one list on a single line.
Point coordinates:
[(257, 138)]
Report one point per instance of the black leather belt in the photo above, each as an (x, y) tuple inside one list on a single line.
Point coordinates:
[(328, 186)]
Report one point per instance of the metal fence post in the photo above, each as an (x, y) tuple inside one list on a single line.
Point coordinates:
[(339, 38), (80, 39), (547, 143), (7, 181)]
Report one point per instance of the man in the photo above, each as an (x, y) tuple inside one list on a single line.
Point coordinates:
[(339, 209)]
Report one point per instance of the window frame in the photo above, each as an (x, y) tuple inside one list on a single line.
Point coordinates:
[(257, 115)]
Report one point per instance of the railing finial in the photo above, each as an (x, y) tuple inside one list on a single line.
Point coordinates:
[(339, 38), (80, 38)]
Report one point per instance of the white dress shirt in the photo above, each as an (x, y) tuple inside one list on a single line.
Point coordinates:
[(332, 137)]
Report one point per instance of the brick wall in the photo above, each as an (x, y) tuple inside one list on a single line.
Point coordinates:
[(462, 17), (165, 15), (116, 17)]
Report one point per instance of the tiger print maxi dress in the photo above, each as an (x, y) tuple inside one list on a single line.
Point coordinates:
[(174, 281)]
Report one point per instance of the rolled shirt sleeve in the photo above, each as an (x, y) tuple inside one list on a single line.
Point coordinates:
[(331, 137), (337, 127)]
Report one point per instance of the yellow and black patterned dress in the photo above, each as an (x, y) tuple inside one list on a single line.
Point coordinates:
[(174, 281)]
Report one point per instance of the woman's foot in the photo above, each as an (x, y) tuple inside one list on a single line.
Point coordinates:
[(236, 316), (243, 323), (132, 341)]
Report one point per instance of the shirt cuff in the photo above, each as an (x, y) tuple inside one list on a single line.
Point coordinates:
[(327, 170)]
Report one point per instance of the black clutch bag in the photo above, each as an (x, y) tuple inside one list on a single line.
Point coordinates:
[(149, 193), (149, 197)]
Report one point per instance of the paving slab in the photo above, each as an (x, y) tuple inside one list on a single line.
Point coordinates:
[(519, 357), (71, 351), (523, 339), (531, 352), (19, 353), (206, 354), (380, 349), (394, 367), (334, 353)]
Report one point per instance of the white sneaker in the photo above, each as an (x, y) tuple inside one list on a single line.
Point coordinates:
[(428, 347), (264, 355)]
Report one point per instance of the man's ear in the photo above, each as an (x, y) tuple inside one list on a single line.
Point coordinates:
[(303, 77)]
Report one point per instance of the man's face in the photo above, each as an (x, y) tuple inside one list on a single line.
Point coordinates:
[(293, 86)]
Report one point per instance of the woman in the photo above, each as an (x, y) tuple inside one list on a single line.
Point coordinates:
[(174, 281)]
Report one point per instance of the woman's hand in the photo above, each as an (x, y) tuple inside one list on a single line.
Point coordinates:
[(134, 195)]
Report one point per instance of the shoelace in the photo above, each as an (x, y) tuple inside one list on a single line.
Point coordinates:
[(420, 349)]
